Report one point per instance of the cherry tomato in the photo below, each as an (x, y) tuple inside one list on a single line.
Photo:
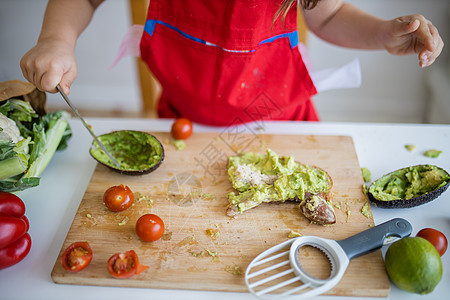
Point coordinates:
[(181, 129), (118, 198), (435, 237), (150, 227), (124, 265), (77, 256), (15, 252)]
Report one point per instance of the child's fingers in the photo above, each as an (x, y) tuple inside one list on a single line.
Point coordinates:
[(27, 69), (416, 25), (49, 80), (25, 72), (427, 41), (433, 39), (404, 25), (423, 34), (429, 54), (67, 80)]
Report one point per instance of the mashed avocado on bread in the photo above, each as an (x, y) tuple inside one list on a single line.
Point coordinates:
[(267, 177)]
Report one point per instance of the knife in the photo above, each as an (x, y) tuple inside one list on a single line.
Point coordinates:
[(100, 144)]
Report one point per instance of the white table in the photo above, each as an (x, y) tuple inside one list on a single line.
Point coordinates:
[(52, 205)]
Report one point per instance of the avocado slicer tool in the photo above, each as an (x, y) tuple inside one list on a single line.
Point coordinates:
[(264, 281), (75, 111)]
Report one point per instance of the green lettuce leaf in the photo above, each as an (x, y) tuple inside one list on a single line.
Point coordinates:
[(24, 162), (47, 138)]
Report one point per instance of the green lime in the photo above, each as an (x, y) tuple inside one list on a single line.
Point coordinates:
[(414, 265)]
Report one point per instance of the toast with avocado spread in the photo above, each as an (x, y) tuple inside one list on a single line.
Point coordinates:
[(263, 178)]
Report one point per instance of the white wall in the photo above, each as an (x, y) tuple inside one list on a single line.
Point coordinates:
[(394, 88), (97, 86)]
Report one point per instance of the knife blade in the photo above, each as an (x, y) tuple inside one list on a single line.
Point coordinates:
[(86, 125)]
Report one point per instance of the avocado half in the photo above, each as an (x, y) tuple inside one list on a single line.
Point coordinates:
[(409, 187), (137, 152)]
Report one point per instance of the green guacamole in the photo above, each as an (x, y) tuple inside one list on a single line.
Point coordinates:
[(134, 150), (409, 183), (262, 177)]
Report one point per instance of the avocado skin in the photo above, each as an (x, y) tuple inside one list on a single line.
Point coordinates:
[(137, 172), (407, 203)]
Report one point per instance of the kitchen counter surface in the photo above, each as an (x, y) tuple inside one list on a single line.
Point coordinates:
[(52, 205)]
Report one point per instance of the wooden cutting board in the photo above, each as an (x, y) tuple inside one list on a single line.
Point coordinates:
[(189, 192)]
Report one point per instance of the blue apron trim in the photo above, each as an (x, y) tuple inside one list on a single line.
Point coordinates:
[(150, 26), (292, 36)]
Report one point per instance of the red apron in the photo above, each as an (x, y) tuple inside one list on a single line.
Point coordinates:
[(220, 63)]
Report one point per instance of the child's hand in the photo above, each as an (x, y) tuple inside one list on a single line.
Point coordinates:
[(412, 34), (49, 63)]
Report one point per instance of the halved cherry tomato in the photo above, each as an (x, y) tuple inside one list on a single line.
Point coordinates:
[(125, 265), (149, 227), (181, 129), (77, 256), (118, 198), (15, 252), (435, 237)]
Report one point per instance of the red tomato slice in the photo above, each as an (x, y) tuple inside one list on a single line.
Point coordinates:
[(149, 227), (15, 252), (125, 265), (435, 237), (11, 229), (118, 198), (11, 205), (77, 256)]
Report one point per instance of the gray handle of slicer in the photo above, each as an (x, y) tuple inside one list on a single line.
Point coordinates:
[(373, 238)]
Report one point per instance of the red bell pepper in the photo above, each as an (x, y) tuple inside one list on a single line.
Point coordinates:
[(15, 242)]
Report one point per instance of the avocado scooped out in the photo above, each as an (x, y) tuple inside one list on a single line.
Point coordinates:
[(409, 187)]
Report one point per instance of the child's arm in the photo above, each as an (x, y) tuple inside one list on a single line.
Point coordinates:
[(345, 25), (52, 60)]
